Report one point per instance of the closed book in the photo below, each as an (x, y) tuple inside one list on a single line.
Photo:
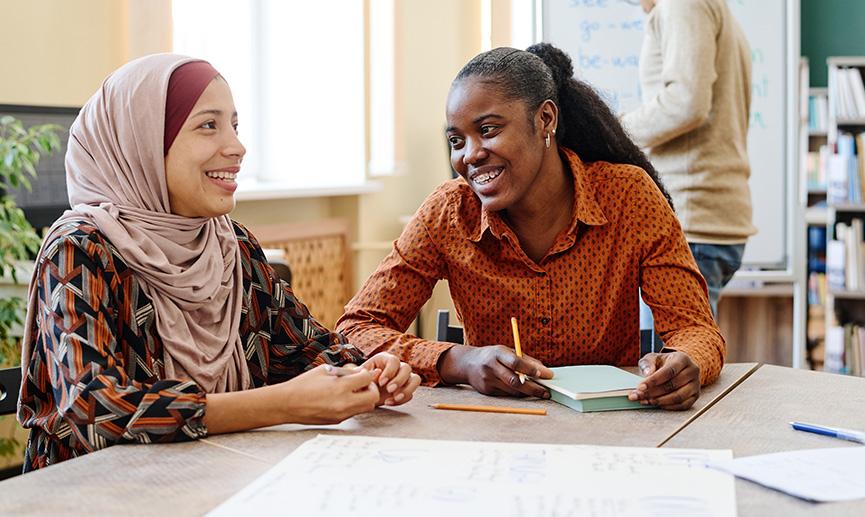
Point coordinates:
[(836, 258), (834, 358), (588, 388)]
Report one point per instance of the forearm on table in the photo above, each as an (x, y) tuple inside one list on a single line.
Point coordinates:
[(244, 410)]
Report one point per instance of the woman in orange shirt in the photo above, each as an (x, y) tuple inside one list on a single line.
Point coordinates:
[(558, 219)]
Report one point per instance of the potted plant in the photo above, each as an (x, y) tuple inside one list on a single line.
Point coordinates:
[(20, 149)]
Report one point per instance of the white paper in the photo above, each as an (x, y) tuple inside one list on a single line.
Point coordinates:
[(358, 475), (823, 475)]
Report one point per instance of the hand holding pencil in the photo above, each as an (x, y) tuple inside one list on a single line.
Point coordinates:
[(495, 369)]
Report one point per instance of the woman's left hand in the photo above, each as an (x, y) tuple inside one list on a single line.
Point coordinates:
[(395, 379), (672, 381)]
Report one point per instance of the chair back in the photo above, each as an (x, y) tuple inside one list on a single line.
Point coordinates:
[(10, 384), (649, 341), (445, 331)]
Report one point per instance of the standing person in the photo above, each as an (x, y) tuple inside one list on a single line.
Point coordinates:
[(695, 74), (558, 219), (152, 316)]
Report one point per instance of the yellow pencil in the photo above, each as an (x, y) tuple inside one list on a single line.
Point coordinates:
[(517, 345), (490, 409)]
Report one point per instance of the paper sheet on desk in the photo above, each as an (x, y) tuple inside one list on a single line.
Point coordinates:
[(814, 474), (358, 475)]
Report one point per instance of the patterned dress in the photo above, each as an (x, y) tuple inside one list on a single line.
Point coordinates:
[(96, 375)]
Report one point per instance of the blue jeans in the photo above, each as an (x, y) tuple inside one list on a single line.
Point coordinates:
[(717, 263)]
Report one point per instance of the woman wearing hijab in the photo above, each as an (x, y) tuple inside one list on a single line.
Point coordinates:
[(152, 316)]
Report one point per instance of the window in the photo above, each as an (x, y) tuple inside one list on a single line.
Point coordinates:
[(296, 70)]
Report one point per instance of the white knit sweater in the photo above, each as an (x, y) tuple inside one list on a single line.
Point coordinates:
[(695, 73)]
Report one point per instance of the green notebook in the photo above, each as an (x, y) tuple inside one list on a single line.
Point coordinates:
[(592, 388)]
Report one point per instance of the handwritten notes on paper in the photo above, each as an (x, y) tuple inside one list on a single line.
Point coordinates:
[(357, 475), (814, 474)]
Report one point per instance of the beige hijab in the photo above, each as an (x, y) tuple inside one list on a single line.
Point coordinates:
[(189, 267)]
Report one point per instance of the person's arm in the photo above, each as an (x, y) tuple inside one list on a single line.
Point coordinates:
[(298, 342), (318, 396), (101, 405), (687, 30), (674, 289), (378, 316), (94, 397)]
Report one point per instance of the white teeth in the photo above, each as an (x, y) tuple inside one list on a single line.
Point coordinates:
[(482, 179), (230, 176)]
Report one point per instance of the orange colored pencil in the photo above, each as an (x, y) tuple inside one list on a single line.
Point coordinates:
[(491, 409), (517, 348)]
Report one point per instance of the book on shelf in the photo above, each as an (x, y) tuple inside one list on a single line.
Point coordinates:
[(836, 259), (816, 289), (845, 349), (818, 113), (848, 90), (815, 168), (844, 170), (845, 257)]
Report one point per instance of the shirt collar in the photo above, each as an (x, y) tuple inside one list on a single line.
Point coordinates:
[(586, 208)]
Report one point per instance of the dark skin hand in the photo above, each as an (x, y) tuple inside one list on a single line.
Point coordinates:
[(493, 370), (672, 381)]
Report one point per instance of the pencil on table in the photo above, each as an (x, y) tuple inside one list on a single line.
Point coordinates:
[(491, 409), (517, 345)]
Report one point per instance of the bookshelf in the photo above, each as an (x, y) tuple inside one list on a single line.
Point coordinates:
[(842, 163), (814, 133)]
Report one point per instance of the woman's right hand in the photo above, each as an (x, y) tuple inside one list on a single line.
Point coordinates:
[(493, 370), (319, 396)]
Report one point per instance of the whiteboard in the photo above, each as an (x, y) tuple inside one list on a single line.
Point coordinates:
[(603, 38)]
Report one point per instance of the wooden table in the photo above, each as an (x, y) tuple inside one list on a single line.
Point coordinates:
[(193, 478), (755, 419), (639, 428)]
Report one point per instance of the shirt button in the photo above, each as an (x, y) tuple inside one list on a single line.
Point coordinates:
[(545, 320)]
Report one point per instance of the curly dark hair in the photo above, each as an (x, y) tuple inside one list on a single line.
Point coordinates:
[(586, 124)]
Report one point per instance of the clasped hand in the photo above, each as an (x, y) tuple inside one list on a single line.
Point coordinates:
[(394, 379)]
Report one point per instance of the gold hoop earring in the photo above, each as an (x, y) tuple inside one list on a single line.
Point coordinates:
[(547, 141)]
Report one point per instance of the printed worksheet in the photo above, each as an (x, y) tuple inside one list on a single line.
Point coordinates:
[(813, 474), (358, 475)]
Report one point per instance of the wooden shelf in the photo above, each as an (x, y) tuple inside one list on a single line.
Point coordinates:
[(848, 207), (766, 291), (839, 294), (818, 134), (816, 215), (851, 122)]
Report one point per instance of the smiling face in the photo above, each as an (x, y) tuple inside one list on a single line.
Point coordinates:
[(496, 145), (203, 162)]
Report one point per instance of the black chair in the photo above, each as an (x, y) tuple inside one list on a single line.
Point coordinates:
[(447, 332), (282, 269), (649, 340), (10, 383)]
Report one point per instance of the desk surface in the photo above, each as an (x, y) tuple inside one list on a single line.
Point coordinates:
[(192, 478), (637, 428), (755, 418)]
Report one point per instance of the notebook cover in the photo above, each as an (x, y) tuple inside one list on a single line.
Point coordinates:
[(588, 383)]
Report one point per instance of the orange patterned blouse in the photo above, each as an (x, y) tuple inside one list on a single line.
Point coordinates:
[(577, 305)]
